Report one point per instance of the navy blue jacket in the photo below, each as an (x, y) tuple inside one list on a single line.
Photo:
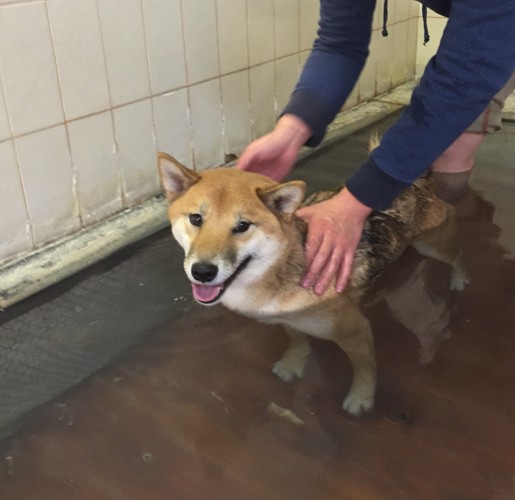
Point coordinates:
[(475, 59)]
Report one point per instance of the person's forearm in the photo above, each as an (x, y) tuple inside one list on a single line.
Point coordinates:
[(294, 128), (334, 65)]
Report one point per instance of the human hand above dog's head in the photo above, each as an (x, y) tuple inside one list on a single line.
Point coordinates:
[(275, 153)]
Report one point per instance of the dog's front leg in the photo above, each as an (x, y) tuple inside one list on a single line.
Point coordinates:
[(294, 359), (355, 338)]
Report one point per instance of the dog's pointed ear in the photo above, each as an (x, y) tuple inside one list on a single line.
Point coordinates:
[(284, 199), (175, 178)]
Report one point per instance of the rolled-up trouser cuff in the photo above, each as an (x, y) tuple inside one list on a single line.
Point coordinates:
[(490, 119)]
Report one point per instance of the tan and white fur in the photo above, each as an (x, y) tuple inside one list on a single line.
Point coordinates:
[(244, 248)]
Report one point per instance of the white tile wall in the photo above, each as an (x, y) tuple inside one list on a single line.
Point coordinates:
[(377, 20), (14, 229), (384, 51), (5, 128), (353, 98), (367, 80), (412, 47), (414, 10), (165, 46), (286, 75), (93, 152), (260, 30), (173, 131), (28, 68), (309, 14), (303, 57), (47, 174), (206, 122), (262, 99), (125, 50), (194, 78), (287, 40), (400, 45), (80, 60), (200, 38), (232, 35), (134, 132), (401, 9), (236, 111)]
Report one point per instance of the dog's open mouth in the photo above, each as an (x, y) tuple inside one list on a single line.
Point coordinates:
[(209, 294)]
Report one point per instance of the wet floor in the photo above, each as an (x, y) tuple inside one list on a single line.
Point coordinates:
[(179, 401)]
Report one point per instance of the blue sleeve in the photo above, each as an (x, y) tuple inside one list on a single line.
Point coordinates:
[(475, 59), (333, 67)]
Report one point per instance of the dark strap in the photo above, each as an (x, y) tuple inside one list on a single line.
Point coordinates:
[(385, 18), (424, 20)]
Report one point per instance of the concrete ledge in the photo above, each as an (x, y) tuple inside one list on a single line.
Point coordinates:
[(40, 269), (509, 108)]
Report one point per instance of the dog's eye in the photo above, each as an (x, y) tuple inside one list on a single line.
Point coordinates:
[(196, 220), (241, 227)]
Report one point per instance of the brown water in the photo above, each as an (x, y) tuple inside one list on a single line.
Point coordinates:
[(185, 414)]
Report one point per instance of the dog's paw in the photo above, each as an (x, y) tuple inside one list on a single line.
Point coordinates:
[(459, 277), (459, 282), (288, 368), (357, 405)]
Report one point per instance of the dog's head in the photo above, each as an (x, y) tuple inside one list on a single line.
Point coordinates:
[(230, 224)]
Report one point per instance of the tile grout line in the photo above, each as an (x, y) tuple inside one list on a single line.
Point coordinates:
[(28, 225), (116, 151), (66, 131), (147, 54), (187, 87), (221, 105)]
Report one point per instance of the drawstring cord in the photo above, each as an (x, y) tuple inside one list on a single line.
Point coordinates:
[(424, 20), (384, 32), (385, 18)]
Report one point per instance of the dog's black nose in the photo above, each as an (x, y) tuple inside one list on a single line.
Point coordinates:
[(204, 271)]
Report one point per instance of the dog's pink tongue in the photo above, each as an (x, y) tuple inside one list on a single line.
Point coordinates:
[(205, 293)]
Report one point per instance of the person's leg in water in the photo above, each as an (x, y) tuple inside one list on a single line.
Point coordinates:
[(452, 169)]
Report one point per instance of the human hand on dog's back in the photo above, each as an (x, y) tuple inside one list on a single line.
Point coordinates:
[(334, 225), (334, 230), (275, 153)]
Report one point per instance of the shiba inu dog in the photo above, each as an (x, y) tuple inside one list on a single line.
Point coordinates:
[(244, 248)]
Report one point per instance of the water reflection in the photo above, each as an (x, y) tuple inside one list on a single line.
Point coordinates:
[(415, 291), (419, 308)]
